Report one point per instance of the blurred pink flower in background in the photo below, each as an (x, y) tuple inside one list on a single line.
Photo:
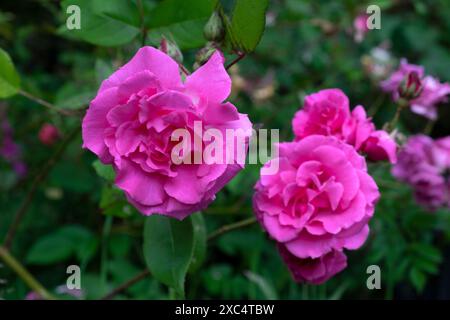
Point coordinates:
[(49, 134), (10, 151), (130, 122), (425, 165), (327, 112), (62, 290), (319, 202), (433, 92), (360, 27)]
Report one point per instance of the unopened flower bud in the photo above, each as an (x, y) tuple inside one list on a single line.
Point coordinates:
[(203, 55), (214, 30), (171, 49), (411, 87), (49, 134)]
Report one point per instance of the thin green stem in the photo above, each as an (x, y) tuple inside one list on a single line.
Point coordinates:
[(429, 127), (126, 285), (144, 30), (104, 251), (376, 105), (47, 104), (239, 57), (230, 227), (401, 104), (23, 273)]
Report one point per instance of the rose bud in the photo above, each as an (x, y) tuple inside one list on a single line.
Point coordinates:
[(411, 86), (214, 30), (171, 49), (48, 134)]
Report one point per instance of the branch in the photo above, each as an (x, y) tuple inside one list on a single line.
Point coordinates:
[(126, 284), (236, 60), (23, 273), (20, 213), (231, 227), (47, 104)]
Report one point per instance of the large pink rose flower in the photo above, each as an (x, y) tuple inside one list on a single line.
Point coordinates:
[(327, 112), (130, 124), (319, 201)]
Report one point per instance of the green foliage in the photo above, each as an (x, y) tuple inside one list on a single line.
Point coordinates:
[(245, 21), (104, 23), (104, 171), (199, 252), (181, 21), (169, 247), (9, 78), (64, 243), (302, 47)]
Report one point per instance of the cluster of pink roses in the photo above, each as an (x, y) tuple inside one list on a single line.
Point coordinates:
[(322, 198), (318, 203), (424, 164), (432, 91)]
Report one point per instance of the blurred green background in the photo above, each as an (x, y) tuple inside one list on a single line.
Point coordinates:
[(77, 217)]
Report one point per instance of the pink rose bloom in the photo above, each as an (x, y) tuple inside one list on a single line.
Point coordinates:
[(315, 271), (360, 132), (424, 164), (327, 112), (323, 113), (360, 27), (48, 134), (130, 122), (432, 94), (320, 200)]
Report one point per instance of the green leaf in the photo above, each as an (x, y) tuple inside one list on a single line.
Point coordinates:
[(62, 244), (180, 21), (113, 203), (168, 249), (103, 170), (97, 26), (71, 176), (245, 23), (200, 238), (265, 287), (9, 78), (84, 243), (103, 70), (50, 249), (170, 12), (418, 279), (186, 34), (427, 252), (69, 98), (124, 11)]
